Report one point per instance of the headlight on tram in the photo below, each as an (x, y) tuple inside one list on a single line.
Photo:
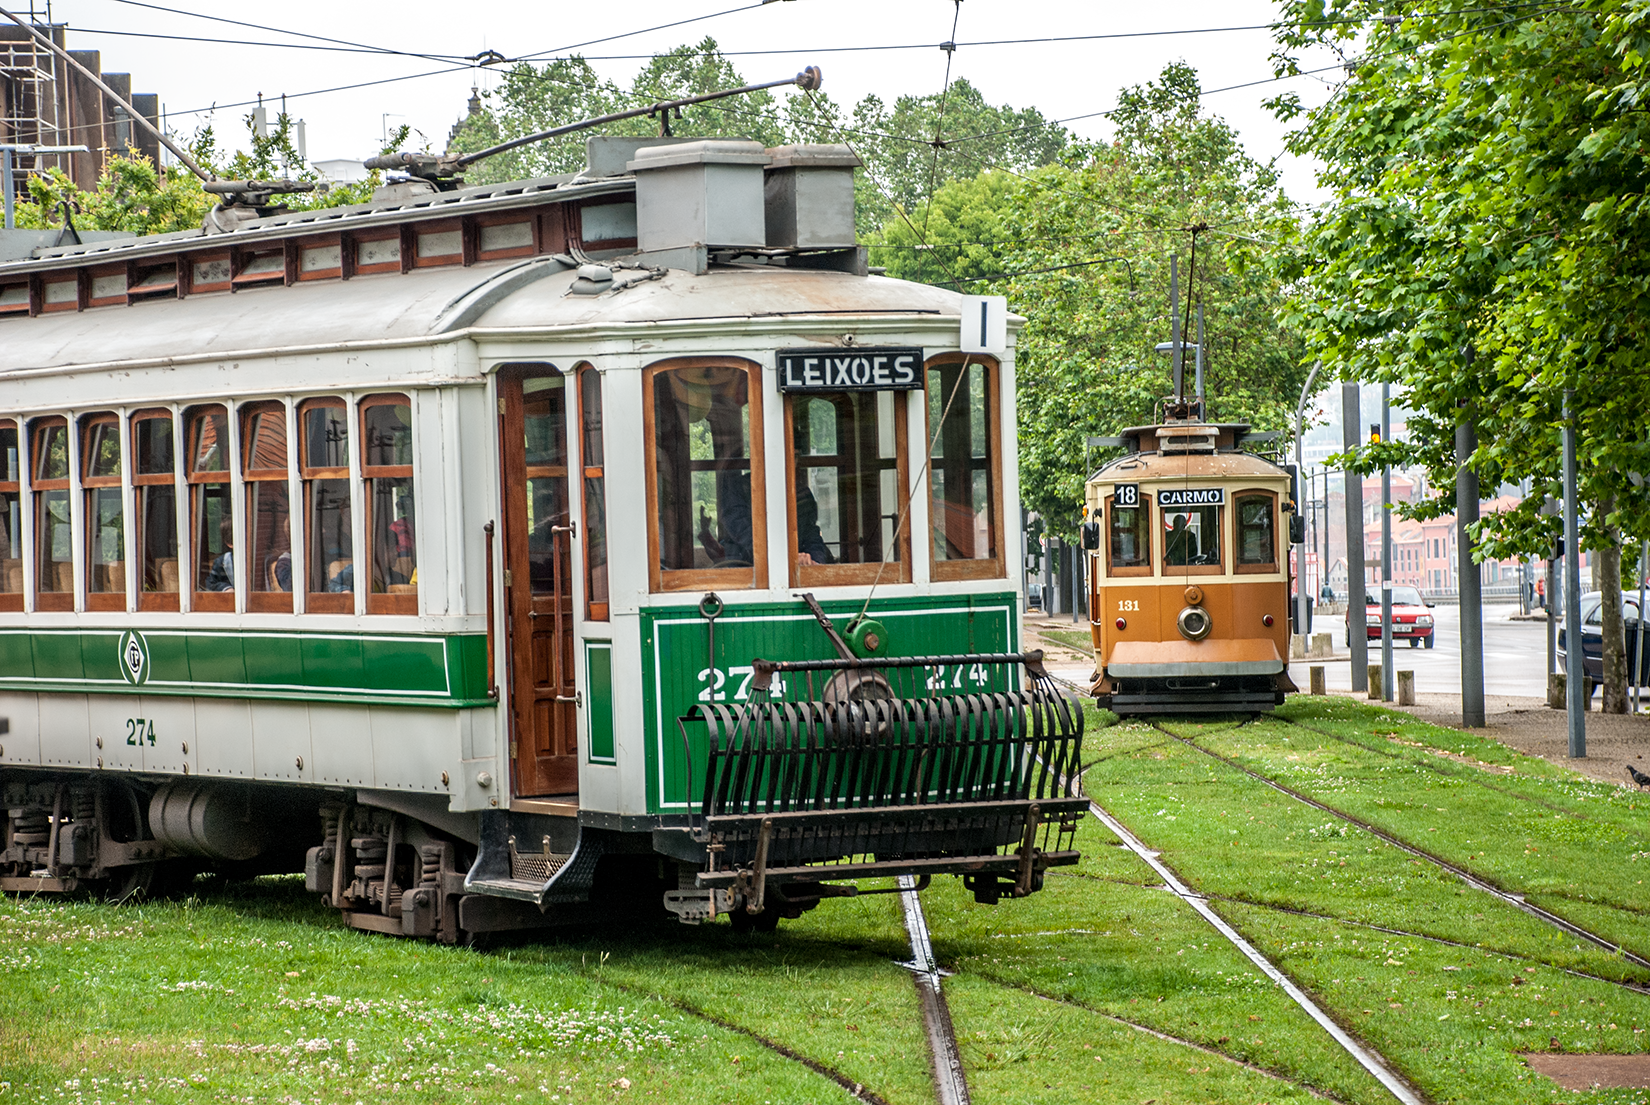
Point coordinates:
[(1194, 623)]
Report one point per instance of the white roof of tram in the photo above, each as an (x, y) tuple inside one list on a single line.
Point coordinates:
[(526, 296)]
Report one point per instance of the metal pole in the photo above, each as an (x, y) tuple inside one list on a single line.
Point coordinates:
[(1386, 550), (1551, 603), (1201, 413), (1357, 612), (1174, 327), (1300, 547), (1638, 642), (6, 183), (1325, 561), (1472, 596), (1575, 663)]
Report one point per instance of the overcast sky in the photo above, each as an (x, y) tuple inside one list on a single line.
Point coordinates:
[(1061, 79)]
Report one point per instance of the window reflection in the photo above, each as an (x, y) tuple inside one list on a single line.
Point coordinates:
[(846, 462), (963, 506), (702, 464)]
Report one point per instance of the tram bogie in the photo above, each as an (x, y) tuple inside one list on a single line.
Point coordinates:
[(441, 563), (1188, 569)]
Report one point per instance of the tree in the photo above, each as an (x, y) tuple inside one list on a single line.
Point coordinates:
[(1081, 248), (1487, 163)]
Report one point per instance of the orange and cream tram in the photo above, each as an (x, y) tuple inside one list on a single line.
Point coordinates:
[(1189, 572)]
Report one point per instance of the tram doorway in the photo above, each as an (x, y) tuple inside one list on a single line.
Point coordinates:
[(538, 573)]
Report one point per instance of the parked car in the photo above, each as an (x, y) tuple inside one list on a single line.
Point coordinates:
[(1411, 617), (1592, 636), (1034, 596)]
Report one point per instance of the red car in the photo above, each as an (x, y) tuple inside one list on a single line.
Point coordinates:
[(1411, 616)]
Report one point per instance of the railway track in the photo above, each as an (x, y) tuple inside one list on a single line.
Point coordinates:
[(1470, 878)]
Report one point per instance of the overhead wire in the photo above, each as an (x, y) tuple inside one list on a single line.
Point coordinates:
[(278, 30)]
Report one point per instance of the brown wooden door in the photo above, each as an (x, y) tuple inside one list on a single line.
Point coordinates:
[(538, 563)]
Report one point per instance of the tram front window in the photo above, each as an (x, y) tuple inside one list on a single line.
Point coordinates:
[(1191, 537), (386, 463), (846, 461), (962, 477), (1257, 547), (155, 486), (707, 491), (1129, 543), (54, 546), (329, 541)]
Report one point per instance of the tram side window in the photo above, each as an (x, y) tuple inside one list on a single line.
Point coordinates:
[(1257, 546), (211, 514), (11, 519), (268, 507), (154, 480), (847, 460), (591, 458), (105, 521), (54, 545), (1191, 538), (386, 466), (704, 485), (329, 536), (1128, 549), (962, 476)]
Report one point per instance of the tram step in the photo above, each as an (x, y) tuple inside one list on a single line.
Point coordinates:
[(519, 889)]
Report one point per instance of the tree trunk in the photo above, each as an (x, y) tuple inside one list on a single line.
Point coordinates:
[(1608, 560)]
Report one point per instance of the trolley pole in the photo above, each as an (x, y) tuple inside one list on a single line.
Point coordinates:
[(1575, 664), (1386, 551), (1357, 613)]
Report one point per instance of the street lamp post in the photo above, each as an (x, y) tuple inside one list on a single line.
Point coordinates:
[(7, 171), (1386, 550), (1300, 546)]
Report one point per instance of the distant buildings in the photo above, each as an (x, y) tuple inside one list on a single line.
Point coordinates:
[(45, 102)]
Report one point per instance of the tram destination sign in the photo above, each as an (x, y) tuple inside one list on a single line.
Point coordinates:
[(1192, 496), (868, 368)]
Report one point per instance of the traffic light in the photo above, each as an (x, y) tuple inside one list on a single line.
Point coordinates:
[(1374, 433)]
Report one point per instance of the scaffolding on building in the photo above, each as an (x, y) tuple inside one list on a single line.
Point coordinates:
[(31, 112)]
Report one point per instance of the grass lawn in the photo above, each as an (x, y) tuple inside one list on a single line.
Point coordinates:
[(1104, 987)]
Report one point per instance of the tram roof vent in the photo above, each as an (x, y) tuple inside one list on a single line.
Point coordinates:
[(704, 194), (1196, 438), (809, 196)]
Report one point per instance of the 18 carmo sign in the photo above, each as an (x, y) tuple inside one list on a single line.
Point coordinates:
[(895, 368)]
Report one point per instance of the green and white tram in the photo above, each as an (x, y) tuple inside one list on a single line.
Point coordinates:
[(505, 553)]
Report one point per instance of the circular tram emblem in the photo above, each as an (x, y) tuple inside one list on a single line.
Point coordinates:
[(134, 657)]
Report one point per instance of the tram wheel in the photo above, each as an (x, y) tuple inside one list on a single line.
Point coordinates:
[(766, 921)]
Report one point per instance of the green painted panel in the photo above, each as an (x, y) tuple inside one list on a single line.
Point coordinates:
[(678, 674), (16, 655), (100, 656), (168, 657), (57, 655), (598, 666), (333, 662), (272, 661), (391, 664), (216, 658), (467, 666)]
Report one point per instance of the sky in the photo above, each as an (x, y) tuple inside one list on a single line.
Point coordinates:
[(1061, 79)]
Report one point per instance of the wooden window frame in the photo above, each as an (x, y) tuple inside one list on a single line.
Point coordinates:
[(37, 428), (534, 229), (662, 580), (848, 575), (82, 285), (599, 244), (1131, 571), (186, 272), (89, 484), (323, 602), (384, 603), (154, 600), (12, 601), (993, 567), (1275, 565), (219, 602), (244, 257), (593, 611), (260, 601), (30, 304), (1168, 571), (399, 235), (92, 276), (136, 292), (338, 272), (443, 226)]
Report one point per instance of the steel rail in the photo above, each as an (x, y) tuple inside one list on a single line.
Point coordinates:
[(1466, 876), (1367, 1058), (950, 1084)]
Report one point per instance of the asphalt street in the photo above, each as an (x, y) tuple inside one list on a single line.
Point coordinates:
[(1515, 654)]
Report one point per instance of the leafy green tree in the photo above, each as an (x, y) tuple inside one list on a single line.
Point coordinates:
[(1081, 248), (1487, 163)]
